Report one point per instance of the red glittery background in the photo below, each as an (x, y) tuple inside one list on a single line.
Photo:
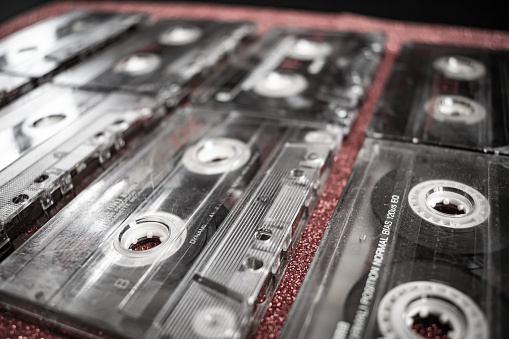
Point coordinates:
[(397, 32)]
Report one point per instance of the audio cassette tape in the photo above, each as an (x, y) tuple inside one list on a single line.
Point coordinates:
[(164, 60), (417, 248), (12, 87), (41, 50), (299, 73), (446, 96), (187, 237), (51, 139)]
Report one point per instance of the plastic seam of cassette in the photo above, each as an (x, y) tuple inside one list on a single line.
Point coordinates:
[(53, 137), (447, 96), (186, 237), (11, 87), (298, 73), (41, 50), (418, 247), (166, 59)]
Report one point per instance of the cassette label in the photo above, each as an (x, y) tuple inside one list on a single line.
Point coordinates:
[(41, 49), (446, 96), (415, 248), (53, 135), (299, 74), (162, 60), (124, 257)]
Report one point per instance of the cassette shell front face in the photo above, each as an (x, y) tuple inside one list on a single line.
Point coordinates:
[(300, 74), (162, 60), (447, 96), (146, 229), (53, 137), (378, 246), (41, 49)]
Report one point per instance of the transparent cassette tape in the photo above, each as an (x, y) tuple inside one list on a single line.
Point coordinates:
[(446, 96), (186, 237), (40, 50), (299, 73), (51, 139), (417, 248), (163, 60), (12, 87)]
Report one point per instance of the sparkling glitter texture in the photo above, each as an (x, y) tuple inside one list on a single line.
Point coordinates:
[(430, 327), (397, 33)]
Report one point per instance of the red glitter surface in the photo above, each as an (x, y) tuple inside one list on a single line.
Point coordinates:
[(397, 32)]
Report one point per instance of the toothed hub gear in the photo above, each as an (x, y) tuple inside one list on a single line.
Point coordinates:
[(449, 204), (138, 64), (180, 35), (455, 108), (215, 156), (149, 239), (281, 85), (455, 311), (305, 49), (215, 322), (460, 68)]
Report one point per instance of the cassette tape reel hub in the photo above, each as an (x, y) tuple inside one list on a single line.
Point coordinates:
[(43, 125), (456, 108), (217, 156), (448, 203), (406, 309), (138, 64), (281, 85), (215, 323), (49, 120), (460, 67), (150, 238), (305, 49), (180, 35)]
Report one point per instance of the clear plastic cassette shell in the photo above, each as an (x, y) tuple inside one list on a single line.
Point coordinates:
[(51, 136), (417, 243), (12, 86), (186, 237), (40, 50), (163, 60), (446, 96), (299, 73)]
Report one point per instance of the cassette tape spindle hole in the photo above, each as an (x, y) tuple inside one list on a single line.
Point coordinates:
[(447, 203), (49, 120), (424, 309)]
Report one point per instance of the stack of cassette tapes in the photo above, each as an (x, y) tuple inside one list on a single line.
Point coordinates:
[(51, 139), (41, 50), (163, 60), (418, 245), (299, 73), (187, 237)]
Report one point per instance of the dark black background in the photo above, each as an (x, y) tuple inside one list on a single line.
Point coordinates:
[(483, 14)]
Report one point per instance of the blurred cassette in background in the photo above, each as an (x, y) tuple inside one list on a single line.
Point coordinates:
[(164, 60), (299, 73), (41, 50)]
